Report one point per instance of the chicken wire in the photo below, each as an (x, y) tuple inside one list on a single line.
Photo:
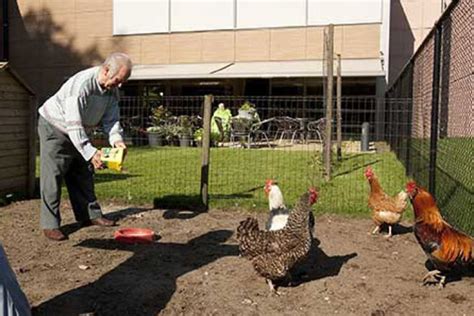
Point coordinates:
[(170, 174), (454, 145)]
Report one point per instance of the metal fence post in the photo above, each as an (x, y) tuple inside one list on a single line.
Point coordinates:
[(435, 108), (206, 144), (409, 121), (364, 137), (329, 101)]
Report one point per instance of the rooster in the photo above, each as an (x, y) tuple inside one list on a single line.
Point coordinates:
[(385, 209), (448, 249), (278, 211), (274, 253)]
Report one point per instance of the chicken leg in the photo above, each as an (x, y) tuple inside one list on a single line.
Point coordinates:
[(435, 277), (376, 230), (389, 232), (272, 287)]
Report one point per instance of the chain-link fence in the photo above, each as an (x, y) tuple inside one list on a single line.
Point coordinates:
[(440, 80), (253, 139)]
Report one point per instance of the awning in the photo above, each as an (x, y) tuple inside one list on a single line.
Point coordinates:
[(267, 69), (175, 71)]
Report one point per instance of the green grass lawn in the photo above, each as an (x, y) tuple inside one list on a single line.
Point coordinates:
[(237, 177), (171, 176), (454, 189)]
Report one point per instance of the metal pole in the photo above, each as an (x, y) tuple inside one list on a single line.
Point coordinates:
[(330, 83), (409, 113), (5, 25), (435, 108), (364, 137), (338, 109), (206, 144)]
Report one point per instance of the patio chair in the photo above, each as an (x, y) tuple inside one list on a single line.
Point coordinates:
[(250, 133), (316, 129), (287, 128), (220, 127), (240, 129), (259, 131)]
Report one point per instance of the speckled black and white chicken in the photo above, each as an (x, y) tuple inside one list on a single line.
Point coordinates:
[(274, 253), (278, 211)]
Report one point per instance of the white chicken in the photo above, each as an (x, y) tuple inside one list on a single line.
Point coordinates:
[(279, 213)]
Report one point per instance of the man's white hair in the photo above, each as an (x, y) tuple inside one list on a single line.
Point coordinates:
[(115, 61)]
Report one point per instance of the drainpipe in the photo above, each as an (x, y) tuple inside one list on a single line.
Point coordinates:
[(4, 53)]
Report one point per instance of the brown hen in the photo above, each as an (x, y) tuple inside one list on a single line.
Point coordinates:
[(385, 209), (274, 253)]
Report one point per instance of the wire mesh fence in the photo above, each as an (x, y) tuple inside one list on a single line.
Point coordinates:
[(441, 142), (254, 139)]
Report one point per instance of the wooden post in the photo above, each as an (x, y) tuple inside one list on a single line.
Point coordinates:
[(206, 144), (338, 109), (329, 93)]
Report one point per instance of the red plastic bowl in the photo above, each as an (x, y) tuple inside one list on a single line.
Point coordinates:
[(135, 235)]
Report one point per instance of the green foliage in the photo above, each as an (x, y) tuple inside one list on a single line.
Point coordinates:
[(159, 115), (198, 133), (248, 110), (161, 130), (247, 106), (184, 127), (237, 177)]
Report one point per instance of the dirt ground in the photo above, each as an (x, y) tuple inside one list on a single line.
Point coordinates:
[(194, 269)]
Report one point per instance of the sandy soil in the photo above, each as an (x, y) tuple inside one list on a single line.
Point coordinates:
[(194, 269)]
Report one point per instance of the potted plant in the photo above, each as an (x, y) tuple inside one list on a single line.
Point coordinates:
[(198, 134), (159, 130), (184, 130), (157, 135), (159, 115), (198, 137)]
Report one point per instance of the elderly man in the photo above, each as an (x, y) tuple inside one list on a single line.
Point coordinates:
[(89, 97)]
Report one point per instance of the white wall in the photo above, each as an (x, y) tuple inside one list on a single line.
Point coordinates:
[(270, 13), (140, 16), (159, 16), (191, 15), (322, 12)]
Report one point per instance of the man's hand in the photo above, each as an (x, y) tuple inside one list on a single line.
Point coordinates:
[(121, 144), (96, 161)]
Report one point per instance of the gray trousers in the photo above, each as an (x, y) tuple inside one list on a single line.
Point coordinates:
[(60, 160)]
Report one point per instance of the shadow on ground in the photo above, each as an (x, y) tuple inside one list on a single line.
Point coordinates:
[(318, 265), (143, 284)]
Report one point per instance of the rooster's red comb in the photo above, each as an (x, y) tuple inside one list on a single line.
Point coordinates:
[(411, 186)]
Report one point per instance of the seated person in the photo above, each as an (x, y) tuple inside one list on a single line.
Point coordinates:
[(224, 115)]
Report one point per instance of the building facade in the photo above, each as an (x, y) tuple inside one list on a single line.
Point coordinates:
[(232, 47)]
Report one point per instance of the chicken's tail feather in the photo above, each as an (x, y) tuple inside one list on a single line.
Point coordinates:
[(247, 235), (247, 227)]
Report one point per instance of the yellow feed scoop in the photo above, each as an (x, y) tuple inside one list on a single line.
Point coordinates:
[(112, 158)]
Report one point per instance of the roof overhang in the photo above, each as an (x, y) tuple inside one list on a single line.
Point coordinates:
[(5, 66), (267, 69)]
